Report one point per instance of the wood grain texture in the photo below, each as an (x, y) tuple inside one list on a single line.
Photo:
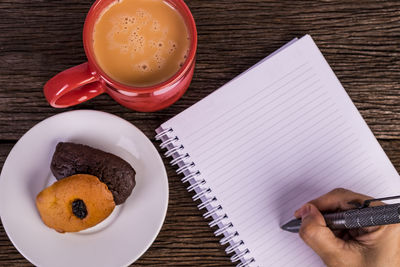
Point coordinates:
[(360, 40)]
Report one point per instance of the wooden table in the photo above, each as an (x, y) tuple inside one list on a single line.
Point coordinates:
[(360, 40)]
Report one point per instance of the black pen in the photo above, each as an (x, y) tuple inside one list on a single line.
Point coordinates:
[(356, 218)]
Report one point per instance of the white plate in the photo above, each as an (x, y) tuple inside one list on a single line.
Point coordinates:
[(117, 241)]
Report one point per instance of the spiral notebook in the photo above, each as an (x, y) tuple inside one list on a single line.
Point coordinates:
[(275, 137)]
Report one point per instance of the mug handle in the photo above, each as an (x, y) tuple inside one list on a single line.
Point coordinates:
[(73, 86)]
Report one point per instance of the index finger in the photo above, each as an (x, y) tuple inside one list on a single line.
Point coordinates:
[(338, 199)]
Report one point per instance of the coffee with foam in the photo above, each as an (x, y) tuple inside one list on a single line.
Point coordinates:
[(140, 42)]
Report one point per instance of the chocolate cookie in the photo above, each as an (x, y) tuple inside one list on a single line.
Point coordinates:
[(116, 173)]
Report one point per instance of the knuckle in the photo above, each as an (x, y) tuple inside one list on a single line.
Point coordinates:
[(339, 190), (307, 232)]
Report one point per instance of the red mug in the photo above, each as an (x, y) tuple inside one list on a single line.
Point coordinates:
[(85, 81)]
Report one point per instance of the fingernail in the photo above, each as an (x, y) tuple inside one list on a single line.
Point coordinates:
[(305, 211), (297, 213)]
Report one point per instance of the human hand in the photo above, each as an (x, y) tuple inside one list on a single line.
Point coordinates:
[(364, 247)]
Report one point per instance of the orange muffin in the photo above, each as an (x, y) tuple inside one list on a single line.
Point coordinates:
[(75, 203)]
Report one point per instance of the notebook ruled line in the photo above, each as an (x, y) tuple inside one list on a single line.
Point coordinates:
[(259, 198), (292, 113), (215, 134), (254, 146), (279, 244), (195, 134), (379, 193), (297, 255), (321, 180), (360, 180), (287, 200), (234, 193), (262, 157), (264, 133), (364, 187), (269, 144), (260, 137), (256, 231), (283, 203), (276, 245), (254, 171)]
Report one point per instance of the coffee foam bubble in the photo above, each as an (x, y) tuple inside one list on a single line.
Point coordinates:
[(156, 26), (160, 61), (144, 67), (128, 20), (137, 41), (171, 47), (143, 16), (185, 55), (124, 49), (141, 13), (153, 44)]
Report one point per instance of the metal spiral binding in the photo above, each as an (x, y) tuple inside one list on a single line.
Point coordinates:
[(182, 160)]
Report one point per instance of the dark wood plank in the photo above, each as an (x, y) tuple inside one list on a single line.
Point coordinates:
[(360, 41)]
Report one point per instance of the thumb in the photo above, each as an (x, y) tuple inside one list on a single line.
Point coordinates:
[(316, 234)]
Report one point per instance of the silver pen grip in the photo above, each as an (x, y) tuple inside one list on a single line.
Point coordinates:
[(357, 218)]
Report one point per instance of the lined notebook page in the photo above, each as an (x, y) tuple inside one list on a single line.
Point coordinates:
[(274, 138)]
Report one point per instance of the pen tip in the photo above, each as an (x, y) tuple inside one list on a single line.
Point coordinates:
[(292, 226)]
